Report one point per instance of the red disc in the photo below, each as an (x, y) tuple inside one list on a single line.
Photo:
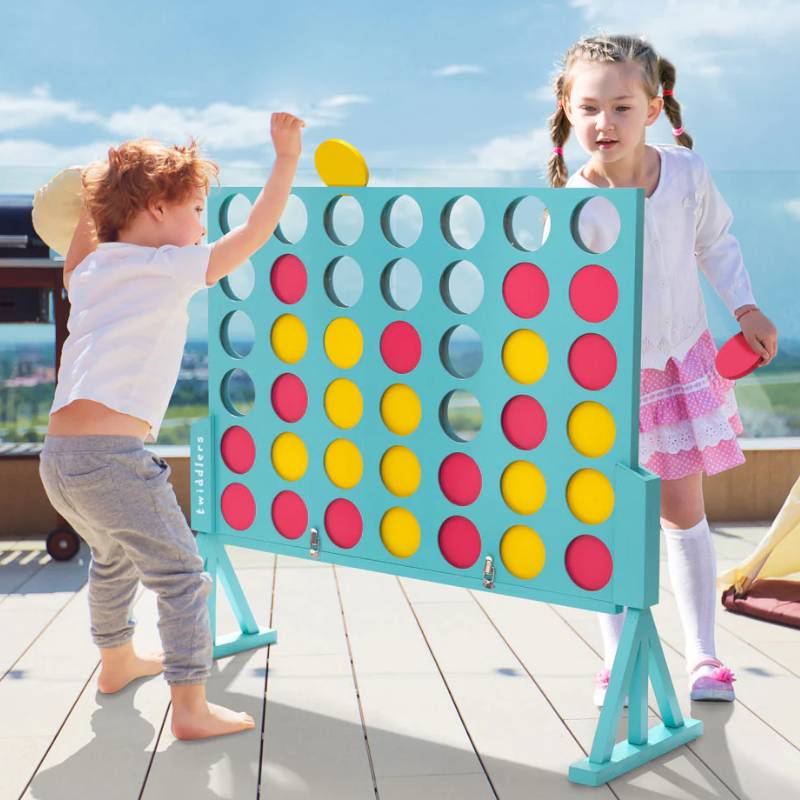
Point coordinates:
[(238, 449), (290, 515), (401, 347), (524, 422), (459, 542), (593, 293), (588, 563), (289, 397), (238, 506), (736, 358), (343, 523), (592, 361), (526, 290), (460, 479), (288, 278)]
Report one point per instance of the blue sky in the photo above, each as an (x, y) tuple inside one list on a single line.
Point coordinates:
[(431, 92)]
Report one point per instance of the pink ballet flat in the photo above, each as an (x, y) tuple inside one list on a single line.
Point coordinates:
[(716, 686), (601, 687)]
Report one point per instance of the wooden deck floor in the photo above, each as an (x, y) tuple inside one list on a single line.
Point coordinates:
[(378, 687)]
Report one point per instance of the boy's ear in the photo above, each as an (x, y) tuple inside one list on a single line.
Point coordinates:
[(156, 210)]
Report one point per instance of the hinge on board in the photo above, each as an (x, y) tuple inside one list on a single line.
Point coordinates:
[(488, 573), (314, 549)]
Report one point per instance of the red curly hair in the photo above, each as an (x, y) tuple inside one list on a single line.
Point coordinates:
[(140, 172)]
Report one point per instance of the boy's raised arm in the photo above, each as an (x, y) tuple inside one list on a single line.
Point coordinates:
[(239, 244)]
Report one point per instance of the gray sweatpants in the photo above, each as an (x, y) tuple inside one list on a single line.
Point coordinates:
[(117, 496)]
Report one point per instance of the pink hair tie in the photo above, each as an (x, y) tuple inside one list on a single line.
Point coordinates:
[(677, 131), (559, 151)]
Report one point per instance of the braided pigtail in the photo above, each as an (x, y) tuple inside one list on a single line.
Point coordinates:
[(560, 127), (672, 108)]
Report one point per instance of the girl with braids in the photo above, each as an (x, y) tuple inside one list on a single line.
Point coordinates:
[(610, 89)]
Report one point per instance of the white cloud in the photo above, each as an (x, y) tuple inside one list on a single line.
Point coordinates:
[(543, 94), (683, 30), (39, 108), (340, 100), (35, 153), (792, 207), (453, 70)]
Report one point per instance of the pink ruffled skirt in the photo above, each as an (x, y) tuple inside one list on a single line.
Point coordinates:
[(688, 420)]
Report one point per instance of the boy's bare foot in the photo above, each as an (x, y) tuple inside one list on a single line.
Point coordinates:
[(121, 665), (193, 717)]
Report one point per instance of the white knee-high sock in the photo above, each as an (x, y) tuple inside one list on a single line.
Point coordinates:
[(611, 631), (692, 573)]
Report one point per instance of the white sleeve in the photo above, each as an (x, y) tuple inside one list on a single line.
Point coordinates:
[(718, 252), (597, 225), (188, 265)]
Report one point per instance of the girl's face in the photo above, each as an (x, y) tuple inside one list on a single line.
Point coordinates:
[(609, 110)]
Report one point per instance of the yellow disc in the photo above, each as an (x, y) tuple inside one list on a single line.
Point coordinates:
[(289, 338), (400, 471), (590, 496), (400, 532), (343, 463), (344, 343), (344, 404), (525, 356), (338, 163), (289, 456), (401, 409), (591, 429), (524, 488), (522, 552)]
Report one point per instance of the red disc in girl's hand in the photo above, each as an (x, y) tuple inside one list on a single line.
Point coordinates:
[(736, 358)]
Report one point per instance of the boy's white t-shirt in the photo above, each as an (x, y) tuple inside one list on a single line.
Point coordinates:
[(127, 327)]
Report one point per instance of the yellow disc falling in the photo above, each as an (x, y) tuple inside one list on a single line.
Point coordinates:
[(400, 471), (400, 532), (344, 343), (525, 356), (401, 410), (590, 496), (343, 463), (522, 552), (344, 404), (338, 163), (524, 488), (591, 429), (289, 456), (289, 338)]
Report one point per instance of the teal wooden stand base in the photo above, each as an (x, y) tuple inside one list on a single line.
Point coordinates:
[(639, 656), (250, 635)]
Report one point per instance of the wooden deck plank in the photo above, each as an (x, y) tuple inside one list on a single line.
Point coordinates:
[(222, 767), (19, 568), (107, 741), (314, 742), (413, 726), (524, 745)]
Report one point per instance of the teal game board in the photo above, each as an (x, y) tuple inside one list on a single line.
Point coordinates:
[(490, 445)]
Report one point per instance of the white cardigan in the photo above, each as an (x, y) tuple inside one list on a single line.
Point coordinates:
[(687, 224)]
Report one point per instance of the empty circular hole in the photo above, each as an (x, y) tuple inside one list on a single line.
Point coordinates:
[(293, 222), (239, 284), (238, 334), (344, 281), (461, 416), (595, 225), (344, 220), (461, 351), (401, 221), (238, 392), (462, 287), (526, 223), (234, 212), (462, 222), (401, 284)]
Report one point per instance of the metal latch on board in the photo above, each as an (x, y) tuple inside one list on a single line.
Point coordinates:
[(488, 573), (313, 550)]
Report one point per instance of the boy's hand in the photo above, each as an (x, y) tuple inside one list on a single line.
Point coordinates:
[(760, 334), (285, 132)]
